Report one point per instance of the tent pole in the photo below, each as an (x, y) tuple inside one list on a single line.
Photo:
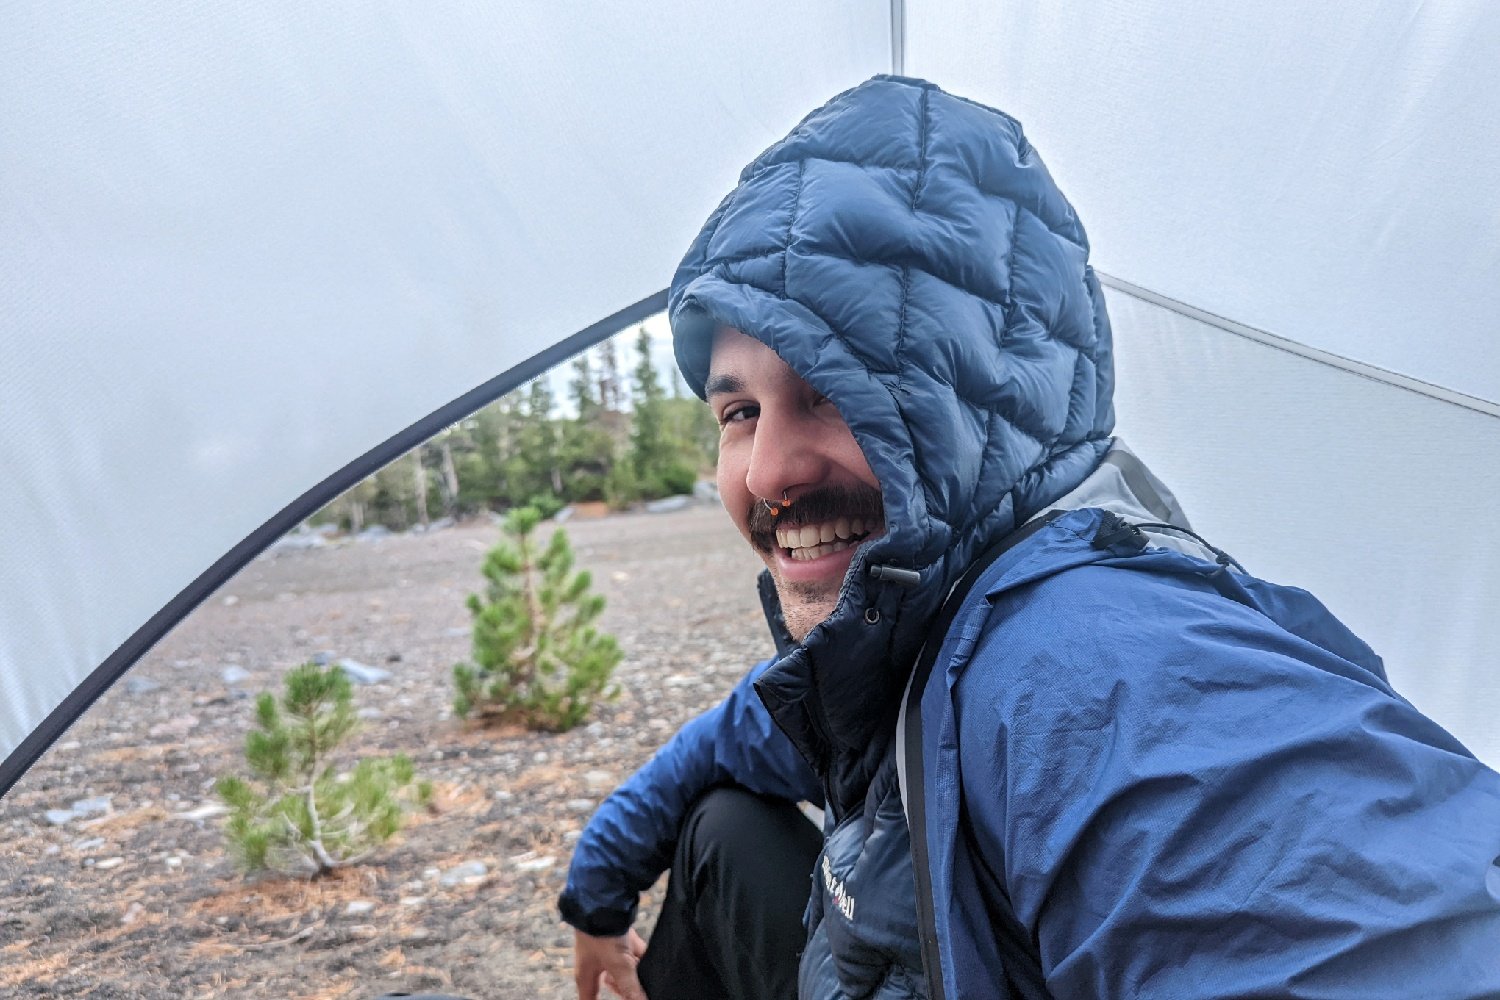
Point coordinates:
[(898, 37)]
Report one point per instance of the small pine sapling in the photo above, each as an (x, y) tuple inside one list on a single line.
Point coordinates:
[(298, 813), (538, 659)]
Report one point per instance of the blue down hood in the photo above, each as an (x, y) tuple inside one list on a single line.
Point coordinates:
[(906, 252)]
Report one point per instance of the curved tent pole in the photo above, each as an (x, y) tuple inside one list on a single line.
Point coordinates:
[(158, 625)]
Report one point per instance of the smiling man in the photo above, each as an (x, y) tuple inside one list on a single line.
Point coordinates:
[(781, 439), (1064, 747)]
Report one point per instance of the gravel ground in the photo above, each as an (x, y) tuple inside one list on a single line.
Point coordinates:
[(131, 893)]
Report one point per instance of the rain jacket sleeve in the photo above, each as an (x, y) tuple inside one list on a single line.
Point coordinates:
[(1184, 798), (630, 839)]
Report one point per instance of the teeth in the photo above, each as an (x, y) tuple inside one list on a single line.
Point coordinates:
[(813, 540), (819, 551)]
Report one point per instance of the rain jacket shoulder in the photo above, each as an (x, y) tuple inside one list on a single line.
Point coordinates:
[(1176, 779)]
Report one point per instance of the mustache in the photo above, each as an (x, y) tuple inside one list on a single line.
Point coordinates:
[(814, 507)]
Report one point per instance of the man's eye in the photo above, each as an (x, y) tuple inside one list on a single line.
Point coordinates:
[(738, 414)]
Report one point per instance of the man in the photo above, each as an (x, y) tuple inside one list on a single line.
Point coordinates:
[(1131, 768)]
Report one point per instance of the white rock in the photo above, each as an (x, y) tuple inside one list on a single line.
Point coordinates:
[(359, 907), (207, 810), (362, 673), (234, 674), (95, 806), (109, 863), (132, 914), (581, 805), (468, 873), (58, 817), (599, 780)]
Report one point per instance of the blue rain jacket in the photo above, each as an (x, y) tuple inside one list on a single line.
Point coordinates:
[(1183, 781)]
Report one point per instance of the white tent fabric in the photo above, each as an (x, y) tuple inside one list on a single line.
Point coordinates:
[(251, 251)]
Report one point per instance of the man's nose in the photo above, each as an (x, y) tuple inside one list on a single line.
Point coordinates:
[(786, 455)]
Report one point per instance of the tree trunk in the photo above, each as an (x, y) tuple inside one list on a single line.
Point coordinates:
[(450, 475), (419, 480)]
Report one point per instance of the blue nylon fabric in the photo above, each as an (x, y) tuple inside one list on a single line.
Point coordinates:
[(629, 840), (1192, 783)]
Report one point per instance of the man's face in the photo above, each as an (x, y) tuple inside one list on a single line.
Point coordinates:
[(779, 437)]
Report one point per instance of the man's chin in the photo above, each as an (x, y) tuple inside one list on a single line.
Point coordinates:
[(805, 606)]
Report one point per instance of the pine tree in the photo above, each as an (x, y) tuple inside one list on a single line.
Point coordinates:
[(537, 657), (656, 459), (298, 813)]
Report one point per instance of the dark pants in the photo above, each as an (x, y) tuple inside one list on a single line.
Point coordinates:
[(731, 925)]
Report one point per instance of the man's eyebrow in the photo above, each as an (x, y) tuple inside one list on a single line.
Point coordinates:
[(723, 383)]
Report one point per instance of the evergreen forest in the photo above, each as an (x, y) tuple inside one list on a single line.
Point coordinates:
[(621, 439)]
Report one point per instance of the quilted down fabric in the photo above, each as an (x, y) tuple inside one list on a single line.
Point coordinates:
[(906, 252)]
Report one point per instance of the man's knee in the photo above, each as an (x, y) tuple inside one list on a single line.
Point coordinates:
[(730, 829)]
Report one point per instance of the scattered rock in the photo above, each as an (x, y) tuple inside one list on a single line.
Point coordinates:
[(598, 781), (370, 713), (468, 873), (299, 538), (58, 817), (413, 900), (207, 810), (359, 908), (141, 685), (532, 862), (362, 673), (109, 863), (668, 504), (234, 674), (86, 844), (179, 726), (133, 913), (230, 600), (581, 805)]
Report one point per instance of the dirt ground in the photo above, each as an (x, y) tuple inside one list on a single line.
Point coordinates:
[(132, 894)]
